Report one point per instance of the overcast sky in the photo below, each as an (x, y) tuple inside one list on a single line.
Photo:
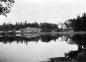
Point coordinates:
[(52, 11)]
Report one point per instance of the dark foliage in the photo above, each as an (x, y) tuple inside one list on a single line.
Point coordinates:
[(7, 39), (80, 40), (78, 56), (17, 26), (77, 24), (45, 27), (48, 27), (6, 9)]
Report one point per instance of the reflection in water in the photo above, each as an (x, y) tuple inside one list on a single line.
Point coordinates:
[(33, 52), (47, 47), (79, 40), (38, 48), (18, 39), (80, 54)]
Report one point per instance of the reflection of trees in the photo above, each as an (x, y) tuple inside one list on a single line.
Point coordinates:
[(80, 54), (78, 39), (11, 39), (48, 38), (44, 38)]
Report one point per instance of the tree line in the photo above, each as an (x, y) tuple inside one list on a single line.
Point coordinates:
[(76, 24), (45, 27)]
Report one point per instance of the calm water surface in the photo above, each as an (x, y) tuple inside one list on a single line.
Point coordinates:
[(33, 52)]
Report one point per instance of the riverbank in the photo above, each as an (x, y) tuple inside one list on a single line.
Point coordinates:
[(35, 34)]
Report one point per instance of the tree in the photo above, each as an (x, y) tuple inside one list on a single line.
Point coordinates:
[(77, 24), (6, 7), (48, 27)]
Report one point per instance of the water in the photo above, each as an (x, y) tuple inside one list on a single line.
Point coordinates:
[(33, 51)]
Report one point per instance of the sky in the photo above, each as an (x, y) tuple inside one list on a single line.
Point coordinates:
[(52, 11)]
